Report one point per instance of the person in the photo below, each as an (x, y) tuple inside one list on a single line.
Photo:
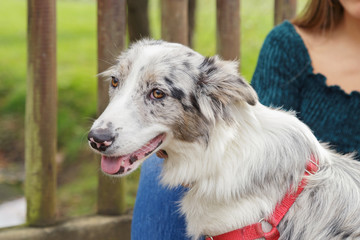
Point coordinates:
[(310, 65)]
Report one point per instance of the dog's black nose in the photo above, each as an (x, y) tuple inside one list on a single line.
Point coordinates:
[(100, 138)]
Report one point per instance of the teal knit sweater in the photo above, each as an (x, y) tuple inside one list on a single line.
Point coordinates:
[(284, 78)]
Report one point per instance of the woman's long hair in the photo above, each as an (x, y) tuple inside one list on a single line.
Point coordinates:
[(320, 15)]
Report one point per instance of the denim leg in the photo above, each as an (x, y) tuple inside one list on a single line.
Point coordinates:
[(156, 213)]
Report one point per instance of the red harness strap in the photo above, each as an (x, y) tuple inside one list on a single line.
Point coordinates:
[(255, 230)]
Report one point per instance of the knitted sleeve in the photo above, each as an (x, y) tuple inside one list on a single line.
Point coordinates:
[(281, 66)]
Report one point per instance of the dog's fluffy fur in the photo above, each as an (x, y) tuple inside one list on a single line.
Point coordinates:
[(238, 157)]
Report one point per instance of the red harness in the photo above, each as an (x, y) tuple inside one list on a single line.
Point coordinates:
[(255, 230)]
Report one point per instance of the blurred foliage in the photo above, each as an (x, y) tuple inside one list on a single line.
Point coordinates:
[(76, 77)]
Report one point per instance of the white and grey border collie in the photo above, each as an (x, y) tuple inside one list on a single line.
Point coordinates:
[(238, 157)]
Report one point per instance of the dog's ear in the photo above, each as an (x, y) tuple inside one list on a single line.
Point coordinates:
[(220, 85)]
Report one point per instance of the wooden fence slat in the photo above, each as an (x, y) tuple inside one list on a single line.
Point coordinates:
[(191, 21), (41, 113), (228, 29), (284, 9), (138, 19), (111, 40), (174, 21)]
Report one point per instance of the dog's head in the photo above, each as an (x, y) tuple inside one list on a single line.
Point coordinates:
[(161, 93)]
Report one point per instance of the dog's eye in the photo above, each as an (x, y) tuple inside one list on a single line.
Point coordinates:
[(114, 82), (157, 94)]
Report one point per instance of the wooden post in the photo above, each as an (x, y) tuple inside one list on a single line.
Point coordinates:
[(284, 9), (174, 21), (40, 116), (138, 19), (111, 40), (191, 21), (228, 29)]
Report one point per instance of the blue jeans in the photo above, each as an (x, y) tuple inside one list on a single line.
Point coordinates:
[(156, 214)]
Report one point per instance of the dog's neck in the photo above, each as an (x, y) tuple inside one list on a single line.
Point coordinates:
[(242, 173)]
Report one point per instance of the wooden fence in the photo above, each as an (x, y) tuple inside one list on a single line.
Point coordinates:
[(41, 108)]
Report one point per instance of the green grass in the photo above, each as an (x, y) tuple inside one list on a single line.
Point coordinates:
[(76, 72), (76, 77), (77, 195), (13, 56)]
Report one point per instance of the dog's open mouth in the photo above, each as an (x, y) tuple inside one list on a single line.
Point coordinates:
[(126, 163)]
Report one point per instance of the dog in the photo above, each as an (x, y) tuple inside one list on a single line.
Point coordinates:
[(237, 157)]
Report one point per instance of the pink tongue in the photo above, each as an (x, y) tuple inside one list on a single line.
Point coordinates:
[(122, 164), (111, 165)]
